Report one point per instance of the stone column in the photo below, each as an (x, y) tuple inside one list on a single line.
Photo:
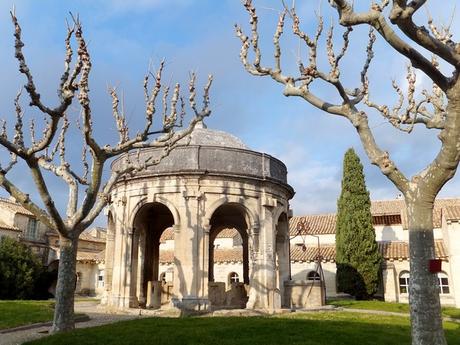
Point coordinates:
[(270, 296), (188, 256), (119, 266), (205, 262), (129, 291), (140, 268), (255, 281), (134, 273), (390, 286), (108, 269)]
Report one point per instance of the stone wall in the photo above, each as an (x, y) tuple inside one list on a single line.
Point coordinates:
[(304, 294)]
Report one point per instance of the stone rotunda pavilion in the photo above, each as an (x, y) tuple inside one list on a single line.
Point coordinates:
[(213, 183)]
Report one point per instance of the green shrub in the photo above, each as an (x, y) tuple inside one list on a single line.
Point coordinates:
[(20, 271)]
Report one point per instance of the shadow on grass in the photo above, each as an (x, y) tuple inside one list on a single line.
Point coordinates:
[(319, 328)]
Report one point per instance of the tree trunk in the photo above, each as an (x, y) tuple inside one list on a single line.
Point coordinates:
[(425, 307), (65, 289)]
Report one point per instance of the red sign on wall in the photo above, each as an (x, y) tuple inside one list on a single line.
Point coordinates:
[(435, 265)]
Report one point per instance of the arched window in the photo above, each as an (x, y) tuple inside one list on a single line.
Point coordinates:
[(443, 283), (404, 282), (313, 275), (233, 278), (163, 277)]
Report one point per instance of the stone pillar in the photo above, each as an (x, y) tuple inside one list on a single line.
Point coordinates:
[(282, 262), (255, 262), (108, 270), (205, 262), (140, 269), (117, 298), (390, 281), (188, 256), (129, 291), (269, 276), (134, 276)]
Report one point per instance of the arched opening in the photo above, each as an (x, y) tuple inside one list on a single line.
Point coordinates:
[(150, 222), (282, 262), (404, 278), (313, 275), (228, 242), (233, 277)]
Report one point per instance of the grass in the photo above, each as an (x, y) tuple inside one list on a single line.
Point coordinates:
[(321, 328), (388, 306), (18, 313)]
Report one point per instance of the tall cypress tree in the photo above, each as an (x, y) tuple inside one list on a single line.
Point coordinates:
[(357, 256)]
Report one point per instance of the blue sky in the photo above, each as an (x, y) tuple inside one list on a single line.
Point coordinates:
[(199, 35)]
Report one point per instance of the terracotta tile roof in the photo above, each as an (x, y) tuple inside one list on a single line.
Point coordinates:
[(387, 207), (390, 219), (228, 233), (389, 250), (311, 253), (168, 234), (400, 250), (384, 212), (228, 255), (318, 224), (14, 207), (8, 227), (166, 256), (85, 256), (451, 212), (85, 236), (220, 255)]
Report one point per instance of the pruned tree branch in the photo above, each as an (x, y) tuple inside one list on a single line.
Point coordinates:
[(48, 153)]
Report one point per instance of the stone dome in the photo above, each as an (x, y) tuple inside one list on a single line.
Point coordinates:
[(213, 153), (203, 136)]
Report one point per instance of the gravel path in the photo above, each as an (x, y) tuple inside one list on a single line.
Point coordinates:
[(97, 318)]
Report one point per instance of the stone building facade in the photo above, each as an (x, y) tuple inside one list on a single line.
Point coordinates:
[(18, 223), (390, 224), (391, 231)]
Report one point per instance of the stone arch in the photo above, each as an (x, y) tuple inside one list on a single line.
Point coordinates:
[(253, 218), (149, 221), (157, 199), (282, 254), (232, 216)]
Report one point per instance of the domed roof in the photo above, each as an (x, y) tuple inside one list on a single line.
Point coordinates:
[(203, 136)]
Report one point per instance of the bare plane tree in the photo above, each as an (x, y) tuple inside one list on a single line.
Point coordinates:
[(46, 153), (438, 109)]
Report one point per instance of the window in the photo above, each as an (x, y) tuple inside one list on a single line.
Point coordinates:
[(31, 231), (233, 278), (313, 275), (163, 277), (404, 282), (443, 283), (100, 278)]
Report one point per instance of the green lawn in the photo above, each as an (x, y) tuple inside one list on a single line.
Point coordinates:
[(388, 306), (320, 328), (17, 313)]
